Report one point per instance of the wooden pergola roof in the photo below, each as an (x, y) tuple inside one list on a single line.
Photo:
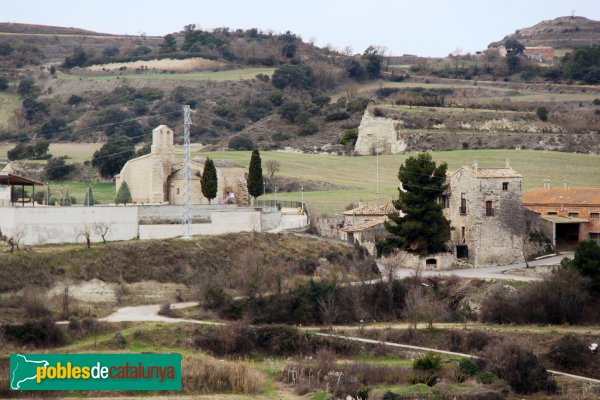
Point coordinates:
[(11, 179)]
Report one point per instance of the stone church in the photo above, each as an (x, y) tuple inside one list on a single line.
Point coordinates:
[(157, 178)]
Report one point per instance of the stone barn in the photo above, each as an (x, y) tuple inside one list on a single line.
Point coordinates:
[(157, 178)]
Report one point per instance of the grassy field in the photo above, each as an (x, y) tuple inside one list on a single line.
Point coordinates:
[(579, 170), (8, 103), (230, 75), (543, 97)]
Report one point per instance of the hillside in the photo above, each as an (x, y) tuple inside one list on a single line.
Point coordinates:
[(559, 33)]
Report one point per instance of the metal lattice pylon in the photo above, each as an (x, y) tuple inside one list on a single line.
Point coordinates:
[(186, 219)]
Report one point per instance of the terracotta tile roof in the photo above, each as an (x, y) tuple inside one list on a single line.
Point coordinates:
[(561, 196), (365, 225), (491, 172), (562, 220), (368, 209)]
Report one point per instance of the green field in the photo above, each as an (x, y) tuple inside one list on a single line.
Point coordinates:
[(580, 170), (230, 75), (8, 103), (104, 192)]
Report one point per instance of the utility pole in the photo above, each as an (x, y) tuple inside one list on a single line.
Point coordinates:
[(377, 162), (186, 219)]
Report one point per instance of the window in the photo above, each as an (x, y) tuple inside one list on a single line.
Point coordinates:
[(595, 236), (594, 215), (552, 213), (462, 251), (431, 263), (463, 235), (504, 185), (573, 214), (445, 201), (463, 203), (489, 208)]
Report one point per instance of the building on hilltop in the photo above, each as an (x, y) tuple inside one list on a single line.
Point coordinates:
[(568, 214), (478, 204), (157, 177)]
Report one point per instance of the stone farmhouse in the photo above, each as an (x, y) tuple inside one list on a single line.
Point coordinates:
[(568, 215), (537, 53), (157, 178), (478, 204), (364, 224)]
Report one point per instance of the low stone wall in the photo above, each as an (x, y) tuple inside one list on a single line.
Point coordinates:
[(405, 259)]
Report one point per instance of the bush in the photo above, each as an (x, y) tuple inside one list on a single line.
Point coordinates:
[(75, 100), (430, 362), (337, 116), (240, 143), (216, 376), (57, 168), (467, 366), (378, 112), (570, 352), (38, 333), (290, 110), (586, 261), (349, 137), (123, 194), (357, 105), (295, 76), (542, 113), (519, 367), (166, 311), (308, 128), (3, 83), (113, 155), (485, 378)]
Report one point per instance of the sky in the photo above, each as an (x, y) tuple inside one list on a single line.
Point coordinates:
[(422, 27)]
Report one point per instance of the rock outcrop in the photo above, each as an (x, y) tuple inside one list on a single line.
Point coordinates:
[(378, 135)]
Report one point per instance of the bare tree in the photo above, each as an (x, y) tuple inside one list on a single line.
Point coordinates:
[(251, 275), (102, 229), (273, 166), (328, 308), (14, 240), (86, 232), (421, 306)]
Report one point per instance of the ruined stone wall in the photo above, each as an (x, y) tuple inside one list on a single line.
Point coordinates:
[(378, 135)]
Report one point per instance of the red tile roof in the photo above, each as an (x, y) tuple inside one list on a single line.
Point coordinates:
[(561, 196)]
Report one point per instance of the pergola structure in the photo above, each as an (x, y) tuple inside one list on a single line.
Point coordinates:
[(7, 179)]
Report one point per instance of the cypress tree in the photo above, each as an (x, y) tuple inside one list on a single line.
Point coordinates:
[(422, 229), (255, 176), (209, 180), (89, 197), (123, 194)]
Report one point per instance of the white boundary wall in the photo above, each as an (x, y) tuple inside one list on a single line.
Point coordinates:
[(49, 225)]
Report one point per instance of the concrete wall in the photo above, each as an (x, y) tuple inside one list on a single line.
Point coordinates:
[(4, 196), (245, 220), (49, 225)]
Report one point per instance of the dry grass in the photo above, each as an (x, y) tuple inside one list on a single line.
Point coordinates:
[(189, 64), (210, 376)]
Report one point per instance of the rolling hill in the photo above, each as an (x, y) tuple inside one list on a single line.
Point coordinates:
[(559, 33)]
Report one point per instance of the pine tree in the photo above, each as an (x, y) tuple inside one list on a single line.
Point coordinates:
[(255, 176), (209, 180), (89, 197), (423, 229), (123, 194)]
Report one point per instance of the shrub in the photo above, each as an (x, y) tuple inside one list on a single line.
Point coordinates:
[(570, 352), (519, 367), (75, 100), (357, 105), (337, 116), (430, 362), (240, 143), (485, 378), (542, 113), (467, 366), (212, 376), (37, 333), (166, 311), (3, 83), (123, 194), (308, 128), (378, 112), (290, 110), (596, 102), (476, 340), (586, 261), (296, 76), (57, 168), (349, 137)]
